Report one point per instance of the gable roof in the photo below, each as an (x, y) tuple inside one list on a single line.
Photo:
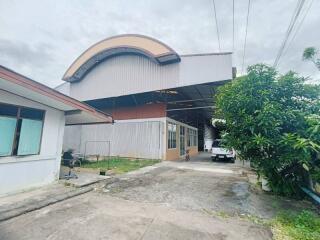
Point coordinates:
[(76, 112)]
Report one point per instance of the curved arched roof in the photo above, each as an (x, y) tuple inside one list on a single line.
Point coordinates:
[(119, 45)]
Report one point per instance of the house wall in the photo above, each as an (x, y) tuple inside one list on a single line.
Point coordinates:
[(21, 172)]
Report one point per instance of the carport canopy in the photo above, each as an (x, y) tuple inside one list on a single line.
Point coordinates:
[(192, 104)]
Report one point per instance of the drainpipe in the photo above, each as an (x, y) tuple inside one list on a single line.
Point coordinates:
[(311, 194)]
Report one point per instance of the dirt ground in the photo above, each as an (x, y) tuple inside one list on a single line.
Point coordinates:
[(197, 200)]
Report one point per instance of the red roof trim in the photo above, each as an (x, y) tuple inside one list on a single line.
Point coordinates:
[(9, 75)]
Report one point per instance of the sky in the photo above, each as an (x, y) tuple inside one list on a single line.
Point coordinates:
[(41, 38)]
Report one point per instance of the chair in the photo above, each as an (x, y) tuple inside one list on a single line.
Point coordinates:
[(70, 161), (187, 155)]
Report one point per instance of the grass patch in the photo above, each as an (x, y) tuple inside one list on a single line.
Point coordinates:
[(119, 165), (288, 225), (304, 225), (254, 219)]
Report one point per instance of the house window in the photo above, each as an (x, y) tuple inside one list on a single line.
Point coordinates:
[(172, 135), (192, 137), (20, 130)]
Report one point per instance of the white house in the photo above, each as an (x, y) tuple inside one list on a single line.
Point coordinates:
[(32, 120)]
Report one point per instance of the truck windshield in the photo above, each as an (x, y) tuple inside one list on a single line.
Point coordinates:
[(216, 143)]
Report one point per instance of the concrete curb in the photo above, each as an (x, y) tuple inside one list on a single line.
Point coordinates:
[(6, 215)]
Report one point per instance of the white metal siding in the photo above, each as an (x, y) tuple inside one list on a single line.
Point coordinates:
[(208, 137), (64, 88), (128, 139), (204, 69), (123, 75), (129, 74)]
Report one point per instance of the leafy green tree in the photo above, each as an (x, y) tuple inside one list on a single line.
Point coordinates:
[(271, 120), (310, 54)]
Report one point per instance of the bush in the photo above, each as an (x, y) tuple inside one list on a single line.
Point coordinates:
[(273, 121)]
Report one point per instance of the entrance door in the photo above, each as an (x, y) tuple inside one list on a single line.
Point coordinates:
[(182, 141)]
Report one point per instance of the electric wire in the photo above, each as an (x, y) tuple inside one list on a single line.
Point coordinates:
[(217, 26), (245, 38), (232, 25), (289, 30), (298, 28)]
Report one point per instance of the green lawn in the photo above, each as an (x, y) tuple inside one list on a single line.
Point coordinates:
[(119, 165), (296, 226)]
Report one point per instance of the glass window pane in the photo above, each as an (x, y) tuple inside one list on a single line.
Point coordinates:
[(172, 135), (7, 130), (8, 110), (31, 113), (30, 137)]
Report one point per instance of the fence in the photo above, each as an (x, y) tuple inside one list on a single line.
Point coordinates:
[(99, 148), (126, 139)]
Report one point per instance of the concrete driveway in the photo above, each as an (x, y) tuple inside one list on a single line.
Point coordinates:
[(171, 200)]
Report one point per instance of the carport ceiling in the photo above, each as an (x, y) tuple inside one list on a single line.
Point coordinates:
[(185, 103)]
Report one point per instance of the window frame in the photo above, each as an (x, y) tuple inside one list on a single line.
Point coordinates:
[(15, 144), (170, 138), (192, 140)]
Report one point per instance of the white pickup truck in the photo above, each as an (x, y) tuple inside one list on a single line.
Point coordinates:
[(218, 152)]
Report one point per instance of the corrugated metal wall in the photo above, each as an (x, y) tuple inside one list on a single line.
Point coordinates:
[(208, 137), (128, 139), (127, 74), (123, 75)]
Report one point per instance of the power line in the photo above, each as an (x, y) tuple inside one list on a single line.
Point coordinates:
[(289, 30), (232, 25), (299, 27), (245, 38), (215, 16)]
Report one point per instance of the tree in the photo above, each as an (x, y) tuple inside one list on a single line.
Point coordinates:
[(309, 54), (268, 121)]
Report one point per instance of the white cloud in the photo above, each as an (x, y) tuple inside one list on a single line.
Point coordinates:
[(42, 38)]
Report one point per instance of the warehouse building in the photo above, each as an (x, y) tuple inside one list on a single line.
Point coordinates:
[(161, 101)]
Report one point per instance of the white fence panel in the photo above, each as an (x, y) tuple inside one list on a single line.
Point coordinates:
[(127, 139)]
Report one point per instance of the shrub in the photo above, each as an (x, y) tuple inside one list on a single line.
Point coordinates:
[(273, 121)]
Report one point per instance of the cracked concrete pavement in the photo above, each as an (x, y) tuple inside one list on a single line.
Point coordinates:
[(99, 216), (165, 201)]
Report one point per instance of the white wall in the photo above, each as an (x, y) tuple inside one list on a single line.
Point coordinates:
[(64, 88), (208, 136), (23, 172), (139, 139), (198, 69), (129, 74)]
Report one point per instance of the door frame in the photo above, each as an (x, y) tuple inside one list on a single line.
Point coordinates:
[(182, 146)]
